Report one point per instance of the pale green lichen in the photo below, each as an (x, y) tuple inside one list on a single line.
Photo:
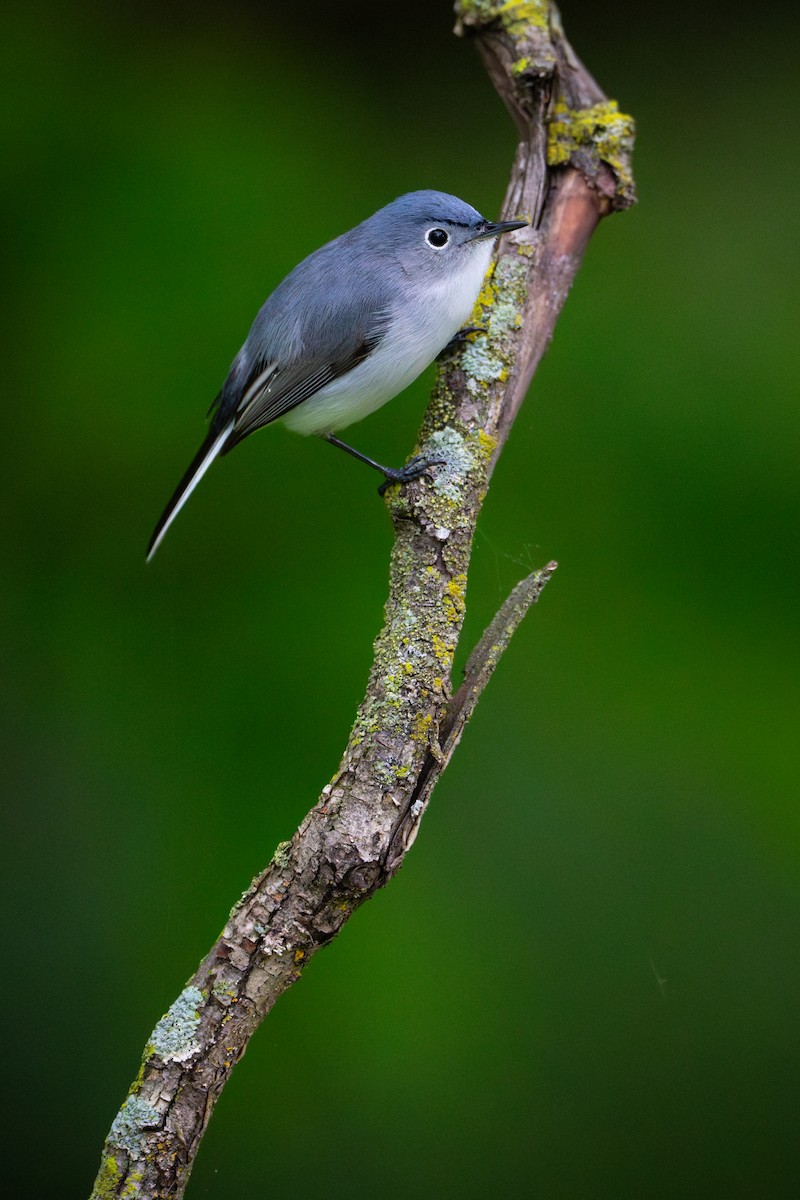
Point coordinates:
[(128, 1125), (481, 363), (173, 1037), (600, 134), (499, 307), (456, 463), (386, 773), (225, 992), (281, 857)]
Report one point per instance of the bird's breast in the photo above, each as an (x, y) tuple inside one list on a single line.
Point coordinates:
[(416, 331)]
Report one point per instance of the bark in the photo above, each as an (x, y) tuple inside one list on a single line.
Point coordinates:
[(571, 168)]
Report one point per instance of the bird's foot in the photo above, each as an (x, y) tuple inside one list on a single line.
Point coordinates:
[(415, 468), (459, 338)]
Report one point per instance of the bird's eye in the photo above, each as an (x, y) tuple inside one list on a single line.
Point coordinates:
[(437, 238)]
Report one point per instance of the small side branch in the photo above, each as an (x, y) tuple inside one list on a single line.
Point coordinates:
[(488, 652), (571, 168), (477, 673)]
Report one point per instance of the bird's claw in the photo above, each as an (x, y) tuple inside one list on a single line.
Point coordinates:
[(459, 338), (414, 469)]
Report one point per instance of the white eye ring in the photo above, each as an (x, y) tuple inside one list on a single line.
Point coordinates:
[(437, 237)]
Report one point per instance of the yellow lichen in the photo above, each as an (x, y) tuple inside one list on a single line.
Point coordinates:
[(486, 296), (442, 650), (602, 131), (107, 1179), (515, 15), (421, 731), (453, 600), (132, 1182)]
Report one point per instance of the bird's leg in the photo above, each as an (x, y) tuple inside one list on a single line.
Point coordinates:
[(459, 338), (412, 470)]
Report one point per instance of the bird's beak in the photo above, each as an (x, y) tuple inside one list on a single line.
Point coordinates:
[(493, 229)]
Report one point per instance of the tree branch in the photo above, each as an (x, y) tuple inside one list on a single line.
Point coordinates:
[(571, 168)]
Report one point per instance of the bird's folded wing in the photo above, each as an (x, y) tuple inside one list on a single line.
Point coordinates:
[(272, 390)]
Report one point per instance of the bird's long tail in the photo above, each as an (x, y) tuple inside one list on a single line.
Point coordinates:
[(205, 456)]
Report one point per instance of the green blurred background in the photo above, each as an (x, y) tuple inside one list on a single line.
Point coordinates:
[(585, 981)]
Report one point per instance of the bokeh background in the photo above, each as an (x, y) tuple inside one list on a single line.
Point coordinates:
[(585, 981)]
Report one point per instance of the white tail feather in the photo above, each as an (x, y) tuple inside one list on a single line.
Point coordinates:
[(189, 487)]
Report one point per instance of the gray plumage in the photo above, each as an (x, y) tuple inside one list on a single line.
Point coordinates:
[(351, 326)]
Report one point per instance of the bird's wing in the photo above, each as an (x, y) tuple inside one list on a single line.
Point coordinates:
[(314, 328), (273, 390)]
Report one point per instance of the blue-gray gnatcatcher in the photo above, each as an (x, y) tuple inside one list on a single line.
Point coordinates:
[(350, 327)]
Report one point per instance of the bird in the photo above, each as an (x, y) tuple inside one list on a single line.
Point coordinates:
[(349, 328)]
